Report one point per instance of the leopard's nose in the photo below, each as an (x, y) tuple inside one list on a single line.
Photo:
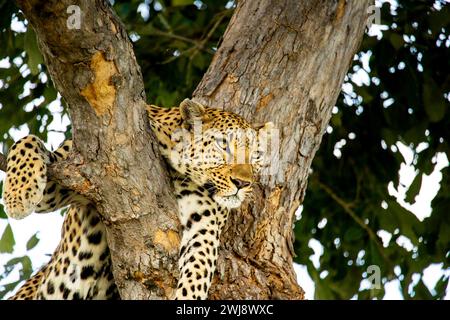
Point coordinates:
[(240, 183)]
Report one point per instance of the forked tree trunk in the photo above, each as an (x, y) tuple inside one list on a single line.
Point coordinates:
[(281, 60)]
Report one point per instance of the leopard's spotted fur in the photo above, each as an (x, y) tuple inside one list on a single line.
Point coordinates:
[(201, 146)]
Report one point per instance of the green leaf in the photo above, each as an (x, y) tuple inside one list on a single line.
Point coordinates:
[(27, 268), (8, 287), (7, 241), (376, 258), (414, 189), (25, 261), (389, 136), (353, 233), (322, 291), (396, 40), (441, 286), (422, 292), (434, 104), (408, 223), (50, 93), (365, 94), (336, 120), (32, 242), (200, 61), (3, 213), (176, 3), (32, 50), (24, 273)]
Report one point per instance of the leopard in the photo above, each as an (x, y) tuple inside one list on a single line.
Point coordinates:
[(80, 266), (214, 158)]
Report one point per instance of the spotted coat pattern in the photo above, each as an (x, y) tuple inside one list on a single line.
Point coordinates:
[(80, 267), (196, 141)]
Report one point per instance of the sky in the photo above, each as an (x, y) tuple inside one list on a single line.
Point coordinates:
[(48, 226)]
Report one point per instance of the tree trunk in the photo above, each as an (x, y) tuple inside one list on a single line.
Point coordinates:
[(117, 163), (281, 61)]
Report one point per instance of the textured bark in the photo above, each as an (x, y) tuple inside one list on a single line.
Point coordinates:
[(117, 164), (282, 61)]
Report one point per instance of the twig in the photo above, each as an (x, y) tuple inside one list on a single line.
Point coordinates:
[(199, 45), (173, 58), (161, 33), (211, 31)]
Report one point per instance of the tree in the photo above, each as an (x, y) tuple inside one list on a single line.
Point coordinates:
[(304, 49)]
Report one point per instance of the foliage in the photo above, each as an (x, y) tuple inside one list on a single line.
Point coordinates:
[(404, 98), (174, 43)]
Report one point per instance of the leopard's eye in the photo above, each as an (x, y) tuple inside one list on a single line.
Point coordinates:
[(222, 143)]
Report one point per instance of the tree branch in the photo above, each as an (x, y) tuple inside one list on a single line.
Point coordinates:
[(65, 173), (94, 68), (281, 61)]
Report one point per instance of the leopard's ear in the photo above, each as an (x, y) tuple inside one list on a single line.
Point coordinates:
[(192, 112)]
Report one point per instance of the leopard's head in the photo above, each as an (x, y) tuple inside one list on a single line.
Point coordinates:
[(216, 149)]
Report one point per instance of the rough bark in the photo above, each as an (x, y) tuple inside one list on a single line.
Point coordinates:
[(95, 70), (282, 61)]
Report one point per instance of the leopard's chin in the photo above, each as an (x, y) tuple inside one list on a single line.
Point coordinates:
[(231, 202)]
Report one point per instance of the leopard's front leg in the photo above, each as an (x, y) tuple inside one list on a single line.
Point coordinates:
[(203, 220), (26, 188)]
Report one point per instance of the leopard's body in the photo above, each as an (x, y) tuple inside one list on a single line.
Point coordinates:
[(198, 143)]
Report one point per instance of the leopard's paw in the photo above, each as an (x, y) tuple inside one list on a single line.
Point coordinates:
[(26, 177)]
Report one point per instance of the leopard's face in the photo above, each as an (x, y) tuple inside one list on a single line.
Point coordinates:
[(217, 150)]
